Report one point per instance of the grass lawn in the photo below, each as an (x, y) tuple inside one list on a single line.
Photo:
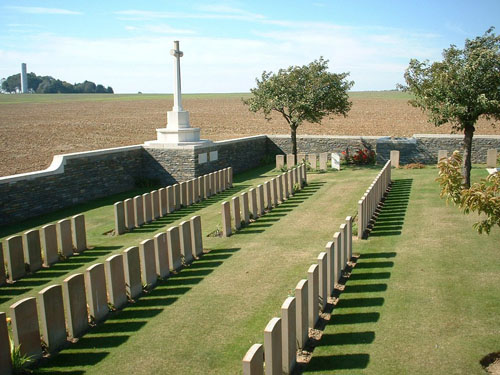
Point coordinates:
[(422, 298)]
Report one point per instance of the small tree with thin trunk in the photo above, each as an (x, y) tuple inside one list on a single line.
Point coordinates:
[(460, 89), (301, 93)]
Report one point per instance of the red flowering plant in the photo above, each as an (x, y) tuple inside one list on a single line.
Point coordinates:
[(361, 156)]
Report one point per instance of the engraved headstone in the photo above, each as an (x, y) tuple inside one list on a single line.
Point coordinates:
[(323, 279), (129, 213), (442, 154), (280, 161), (15, 257), (3, 277), (260, 200), (138, 211), (95, 287), (132, 272), (64, 237), (235, 210), (491, 158), (269, 199), (290, 160), (148, 207), (170, 199), (119, 218), (155, 201), (25, 329), (302, 326), (226, 219), (161, 255), (252, 201), (196, 236), (323, 160), (49, 243), (52, 322), (32, 250), (288, 335), (335, 161), (253, 361), (177, 197), (313, 160), (174, 248), (245, 212), (272, 347), (5, 360), (115, 281), (79, 233), (75, 304), (163, 201), (148, 266), (313, 294), (395, 158)]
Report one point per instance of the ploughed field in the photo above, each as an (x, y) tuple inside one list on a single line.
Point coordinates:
[(34, 128)]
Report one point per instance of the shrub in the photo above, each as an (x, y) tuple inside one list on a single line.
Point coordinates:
[(360, 157)]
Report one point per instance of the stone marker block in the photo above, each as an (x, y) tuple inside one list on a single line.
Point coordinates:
[(272, 347), (286, 188), (279, 184), (290, 160), (260, 200), (201, 189), (313, 295), (313, 160), (196, 236), (5, 361), (138, 211), (323, 161), (3, 277), (148, 207), (174, 248), (223, 182), (253, 361), (336, 161), (190, 192), (252, 203), (52, 321), (177, 197), (337, 255), (129, 213), (161, 255), (302, 326), (245, 210), (395, 158), (269, 198), (235, 211), (323, 280), (148, 266), (115, 281), (295, 176), (15, 257), (217, 182), (274, 191), (206, 186), (301, 158), (163, 201), (491, 158), (339, 245), (290, 182), (75, 304), (230, 177), (95, 288), (49, 242), (186, 245), (170, 199), (64, 237), (442, 154), (79, 233), (25, 329), (211, 179), (196, 190), (132, 272), (184, 193), (280, 161), (119, 218), (345, 252), (155, 201), (32, 249), (331, 268), (348, 221), (288, 335), (226, 219)]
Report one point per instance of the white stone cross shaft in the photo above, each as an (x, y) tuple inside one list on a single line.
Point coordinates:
[(177, 77)]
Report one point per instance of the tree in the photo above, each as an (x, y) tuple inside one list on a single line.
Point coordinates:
[(301, 93), (482, 197), (459, 89)]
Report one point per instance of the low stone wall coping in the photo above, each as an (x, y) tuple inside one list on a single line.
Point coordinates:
[(58, 162)]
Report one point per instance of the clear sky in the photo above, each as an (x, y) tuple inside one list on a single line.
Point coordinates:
[(227, 44)]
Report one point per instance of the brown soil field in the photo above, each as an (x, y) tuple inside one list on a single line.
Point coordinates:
[(32, 132)]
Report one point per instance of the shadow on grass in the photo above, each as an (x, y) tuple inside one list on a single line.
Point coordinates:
[(273, 216), (389, 218), (345, 335), (45, 275), (95, 345)]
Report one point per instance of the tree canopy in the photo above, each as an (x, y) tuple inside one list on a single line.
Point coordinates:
[(460, 89), (301, 93), (50, 85)]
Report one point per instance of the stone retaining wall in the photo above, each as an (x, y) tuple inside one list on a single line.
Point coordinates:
[(85, 176)]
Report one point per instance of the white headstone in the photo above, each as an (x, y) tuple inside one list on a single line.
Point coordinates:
[(335, 161)]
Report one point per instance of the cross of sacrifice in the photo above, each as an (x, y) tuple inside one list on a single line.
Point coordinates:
[(177, 77)]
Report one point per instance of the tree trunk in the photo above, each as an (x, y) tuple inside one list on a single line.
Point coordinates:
[(467, 165), (294, 141)]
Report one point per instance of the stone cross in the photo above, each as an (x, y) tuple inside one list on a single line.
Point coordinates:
[(177, 77)]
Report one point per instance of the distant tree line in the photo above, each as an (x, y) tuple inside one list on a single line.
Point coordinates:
[(50, 85)]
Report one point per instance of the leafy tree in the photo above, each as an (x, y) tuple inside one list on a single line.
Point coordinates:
[(459, 89), (482, 197), (301, 93), (12, 84)]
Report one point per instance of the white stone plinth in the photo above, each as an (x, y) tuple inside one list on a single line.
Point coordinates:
[(178, 120)]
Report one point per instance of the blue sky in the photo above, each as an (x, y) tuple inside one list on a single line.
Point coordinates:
[(227, 44)]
